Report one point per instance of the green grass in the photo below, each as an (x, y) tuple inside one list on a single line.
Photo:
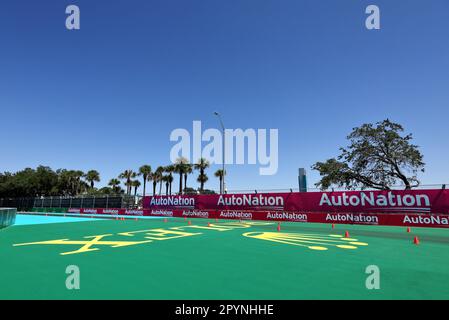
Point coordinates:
[(223, 265)]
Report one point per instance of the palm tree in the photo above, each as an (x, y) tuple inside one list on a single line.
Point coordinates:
[(180, 167), (84, 187), (202, 165), (136, 185), (160, 173), (68, 180), (188, 170), (114, 183), (170, 181), (70, 176), (145, 171), (91, 177), (127, 175), (202, 179), (170, 169), (77, 175), (167, 183), (220, 174), (154, 176)]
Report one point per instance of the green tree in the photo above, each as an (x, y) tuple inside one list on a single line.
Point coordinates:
[(128, 175), (170, 169), (145, 171), (201, 166), (114, 184), (220, 175), (188, 170), (160, 174), (154, 177), (189, 190), (170, 182), (92, 176), (70, 181), (167, 184), (180, 167), (202, 179), (63, 184), (42, 181), (104, 190), (135, 184), (79, 186), (379, 156)]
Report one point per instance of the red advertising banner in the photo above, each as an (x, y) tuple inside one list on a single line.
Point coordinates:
[(394, 201), (419, 208), (381, 219)]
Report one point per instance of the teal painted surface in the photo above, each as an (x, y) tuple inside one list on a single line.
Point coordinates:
[(23, 219)]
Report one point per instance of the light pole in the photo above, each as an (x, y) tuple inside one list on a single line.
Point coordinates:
[(222, 187)]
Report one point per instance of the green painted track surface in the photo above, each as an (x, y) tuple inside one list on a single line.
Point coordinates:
[(222, 265)]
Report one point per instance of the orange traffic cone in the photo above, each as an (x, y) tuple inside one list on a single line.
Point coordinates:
[(333, 226), (136, 218), (185, 218), (408, 229), (416, 240), (216, 220), (346, 234), (279, 227), (208, 224), (190, 222), (165, 220)]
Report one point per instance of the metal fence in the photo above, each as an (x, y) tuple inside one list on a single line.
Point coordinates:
[(106, 201), (19, 203)]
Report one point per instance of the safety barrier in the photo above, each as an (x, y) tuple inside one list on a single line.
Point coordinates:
[(7, 217), (388, 201), (380, 219)]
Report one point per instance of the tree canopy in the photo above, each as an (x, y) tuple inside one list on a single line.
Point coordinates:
[(379, 156)]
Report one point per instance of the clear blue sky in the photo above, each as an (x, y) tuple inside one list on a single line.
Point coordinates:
[(106, 97)]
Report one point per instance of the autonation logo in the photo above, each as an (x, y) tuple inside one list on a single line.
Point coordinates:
[(236, 215), (198, 214), (426, 220), (251, 200), (166, 213), (351, 217), (301, 217), (110, 211), (134, 212), (390, 201), (175, 201)]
